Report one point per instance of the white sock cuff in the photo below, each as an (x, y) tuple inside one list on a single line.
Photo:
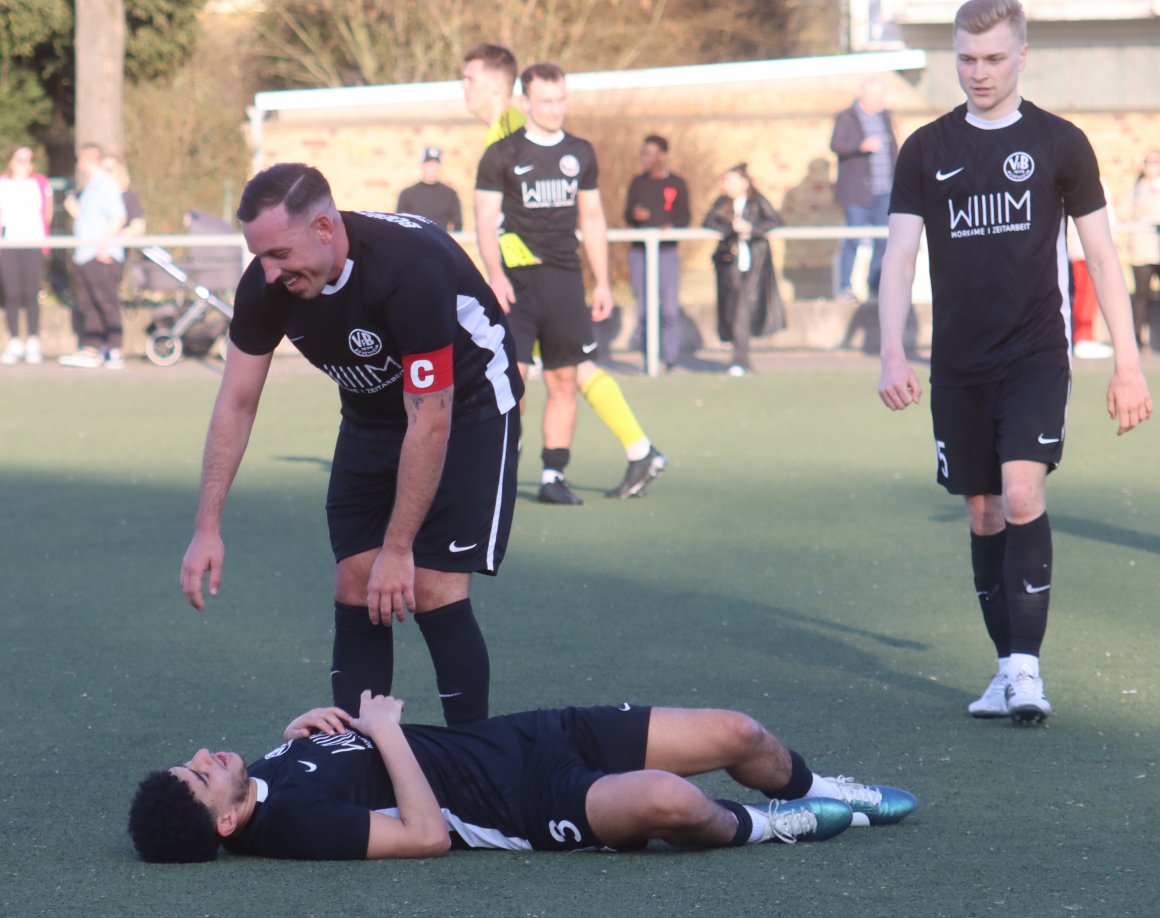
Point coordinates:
[(823, 787), (760, 820), (638, 449), (1023, 662)]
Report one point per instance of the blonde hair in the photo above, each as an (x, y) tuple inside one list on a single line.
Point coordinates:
[(979, 16)]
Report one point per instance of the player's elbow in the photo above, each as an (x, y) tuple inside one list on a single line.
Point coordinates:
[(434, 841)]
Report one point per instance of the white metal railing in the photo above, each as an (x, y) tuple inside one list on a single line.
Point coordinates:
[(652, 239)]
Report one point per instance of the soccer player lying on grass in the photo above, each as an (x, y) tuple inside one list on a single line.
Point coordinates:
[(345, 787)]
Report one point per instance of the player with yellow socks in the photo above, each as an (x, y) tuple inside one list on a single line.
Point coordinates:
[(534, 187)]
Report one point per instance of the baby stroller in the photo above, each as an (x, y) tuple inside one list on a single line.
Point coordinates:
[(199, 318)]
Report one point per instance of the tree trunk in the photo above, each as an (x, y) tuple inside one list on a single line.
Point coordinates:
[(100, 46)]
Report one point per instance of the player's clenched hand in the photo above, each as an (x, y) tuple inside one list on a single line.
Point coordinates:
[(1128, 399), (391, 587), (317, 720), (376, 711), (504, 292), (897, 385), (601, 302), (205, 553)]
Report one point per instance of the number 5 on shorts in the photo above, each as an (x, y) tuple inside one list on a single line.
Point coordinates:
[(940, 447)]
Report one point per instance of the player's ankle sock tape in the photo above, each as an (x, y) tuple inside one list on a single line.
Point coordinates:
[(604, 396), (988, 553), (1028, 582), (801, 777), (363, 657), (744, 822), (459, 655), (555, 459)]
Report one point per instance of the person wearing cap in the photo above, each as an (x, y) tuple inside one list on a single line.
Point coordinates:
[(429, 197)]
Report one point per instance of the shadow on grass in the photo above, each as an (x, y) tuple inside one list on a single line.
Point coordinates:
[(322, 464), (1108, 533), (1084, 528)]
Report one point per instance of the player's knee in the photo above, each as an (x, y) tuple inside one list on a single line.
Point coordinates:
[(670, 801), (741, 735), (350, 578), (1022, 502)]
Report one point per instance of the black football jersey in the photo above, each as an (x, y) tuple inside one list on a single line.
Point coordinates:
[(315, 795), (993, 197), (409, 311), (540, 185)]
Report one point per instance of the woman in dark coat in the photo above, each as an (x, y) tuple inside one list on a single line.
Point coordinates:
[(748, 301)]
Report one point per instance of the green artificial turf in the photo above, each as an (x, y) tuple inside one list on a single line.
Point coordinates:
[(796, 562)]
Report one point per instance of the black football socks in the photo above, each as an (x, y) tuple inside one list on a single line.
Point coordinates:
[(459, 653), (364, 657), (1027, 579), (988, 554)]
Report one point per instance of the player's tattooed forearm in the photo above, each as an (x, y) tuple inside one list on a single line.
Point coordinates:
[(415, 400)]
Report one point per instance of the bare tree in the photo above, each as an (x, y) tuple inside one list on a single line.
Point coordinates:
[(100, 49), (353, 42)]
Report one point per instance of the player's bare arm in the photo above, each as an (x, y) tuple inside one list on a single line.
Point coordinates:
[(594, 233), (229, 433), (419, 829), (898, 387), (391, 588), (488, 205), (330, 721), (1129, 401)]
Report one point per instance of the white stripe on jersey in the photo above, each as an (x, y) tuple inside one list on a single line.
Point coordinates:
[(491, 536), (1063, 276), (485, 335), (474, 836)]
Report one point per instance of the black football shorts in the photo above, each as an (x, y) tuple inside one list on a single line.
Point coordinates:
[(978, 428), (466, 528), (550, 306), (573, 749)]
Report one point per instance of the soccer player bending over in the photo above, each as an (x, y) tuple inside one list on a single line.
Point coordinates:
[(369, 787)]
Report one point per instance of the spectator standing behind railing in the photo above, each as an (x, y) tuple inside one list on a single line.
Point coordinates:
[(748, 302), (864, 143), (1143, 206), (98, 213), (25, 215), (658, 198), (132, 269), (429, 197)]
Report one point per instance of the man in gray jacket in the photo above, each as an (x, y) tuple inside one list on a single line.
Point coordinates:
[(866, 148)]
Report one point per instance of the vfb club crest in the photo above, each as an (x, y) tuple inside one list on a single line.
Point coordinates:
[(365, 343), (569, 165), (1019, 167)]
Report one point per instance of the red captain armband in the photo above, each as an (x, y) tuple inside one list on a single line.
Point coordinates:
[(428, 372)]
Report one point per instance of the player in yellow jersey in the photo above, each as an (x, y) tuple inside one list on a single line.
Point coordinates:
[(488, 78)]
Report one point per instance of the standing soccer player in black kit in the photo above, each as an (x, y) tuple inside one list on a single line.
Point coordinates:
[(992, 182), (541, 182), (423, 480)]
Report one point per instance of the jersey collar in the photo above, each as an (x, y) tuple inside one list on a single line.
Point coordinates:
[(342, 279), (549, 141), (1005, 121), (263, 789)]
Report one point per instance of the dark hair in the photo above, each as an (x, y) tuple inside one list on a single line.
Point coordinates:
[(168, 824), (549, 73), (494, 57), (296, 186), (658, 141), (742, 169)]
